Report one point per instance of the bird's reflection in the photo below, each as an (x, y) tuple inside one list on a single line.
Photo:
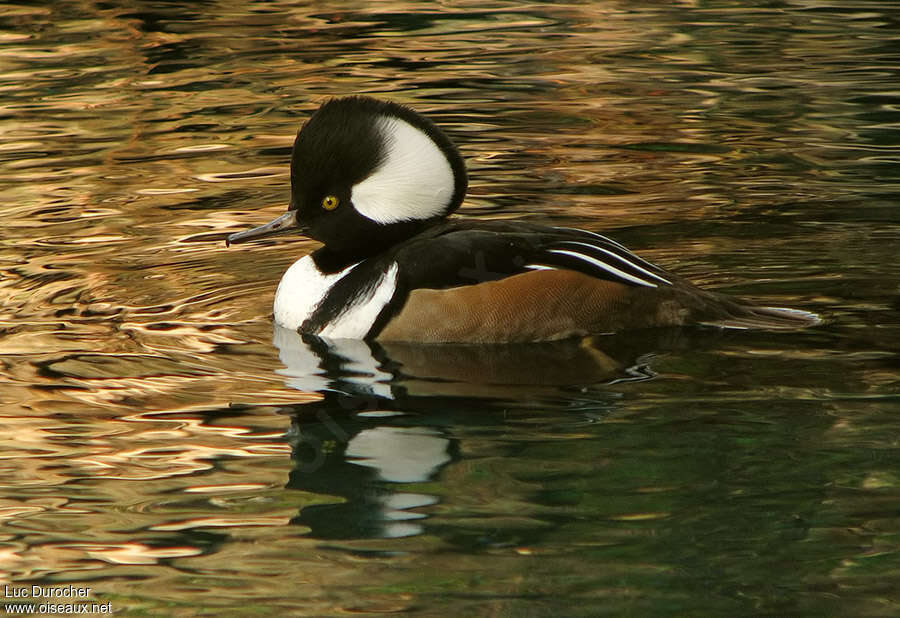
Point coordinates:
[(404, 370), (390, 414), (367, 465)]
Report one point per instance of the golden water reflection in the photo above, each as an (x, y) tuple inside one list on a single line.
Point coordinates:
[(149, 422)]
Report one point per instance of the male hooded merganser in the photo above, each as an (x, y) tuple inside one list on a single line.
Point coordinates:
[(375, 181)]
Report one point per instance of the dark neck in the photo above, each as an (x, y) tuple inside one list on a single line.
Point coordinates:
[(336, 256)]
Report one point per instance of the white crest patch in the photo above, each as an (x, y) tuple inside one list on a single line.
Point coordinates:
[(414, 181), (301, 290)]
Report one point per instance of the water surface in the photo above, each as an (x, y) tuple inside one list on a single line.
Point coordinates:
[(163, 445)]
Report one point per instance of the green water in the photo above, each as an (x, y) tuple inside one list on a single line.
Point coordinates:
[(161, 445)]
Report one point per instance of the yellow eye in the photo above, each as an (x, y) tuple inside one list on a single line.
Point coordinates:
[(330, 202)]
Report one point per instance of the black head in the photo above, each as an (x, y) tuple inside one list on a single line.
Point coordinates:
[(367, 173)]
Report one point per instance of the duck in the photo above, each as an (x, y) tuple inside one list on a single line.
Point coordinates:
[(376, 183)]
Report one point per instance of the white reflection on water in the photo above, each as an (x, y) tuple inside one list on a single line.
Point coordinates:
[(400, 454)]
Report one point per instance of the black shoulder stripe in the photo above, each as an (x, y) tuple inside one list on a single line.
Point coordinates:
[(356, 286)]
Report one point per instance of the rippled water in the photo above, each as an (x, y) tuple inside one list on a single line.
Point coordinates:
[(163, 446)]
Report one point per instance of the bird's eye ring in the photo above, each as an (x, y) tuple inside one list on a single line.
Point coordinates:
[(330, 202)]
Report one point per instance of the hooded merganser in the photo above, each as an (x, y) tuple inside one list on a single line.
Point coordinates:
[(375, 181)]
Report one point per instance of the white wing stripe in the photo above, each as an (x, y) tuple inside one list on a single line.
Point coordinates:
[(609, 241), (540, 267), (604, 266), (595, 235), (622, 259)]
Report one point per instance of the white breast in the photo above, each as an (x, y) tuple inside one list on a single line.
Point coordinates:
[(303, 288)]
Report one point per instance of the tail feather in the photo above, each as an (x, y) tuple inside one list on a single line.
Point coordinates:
[(769, 318)]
